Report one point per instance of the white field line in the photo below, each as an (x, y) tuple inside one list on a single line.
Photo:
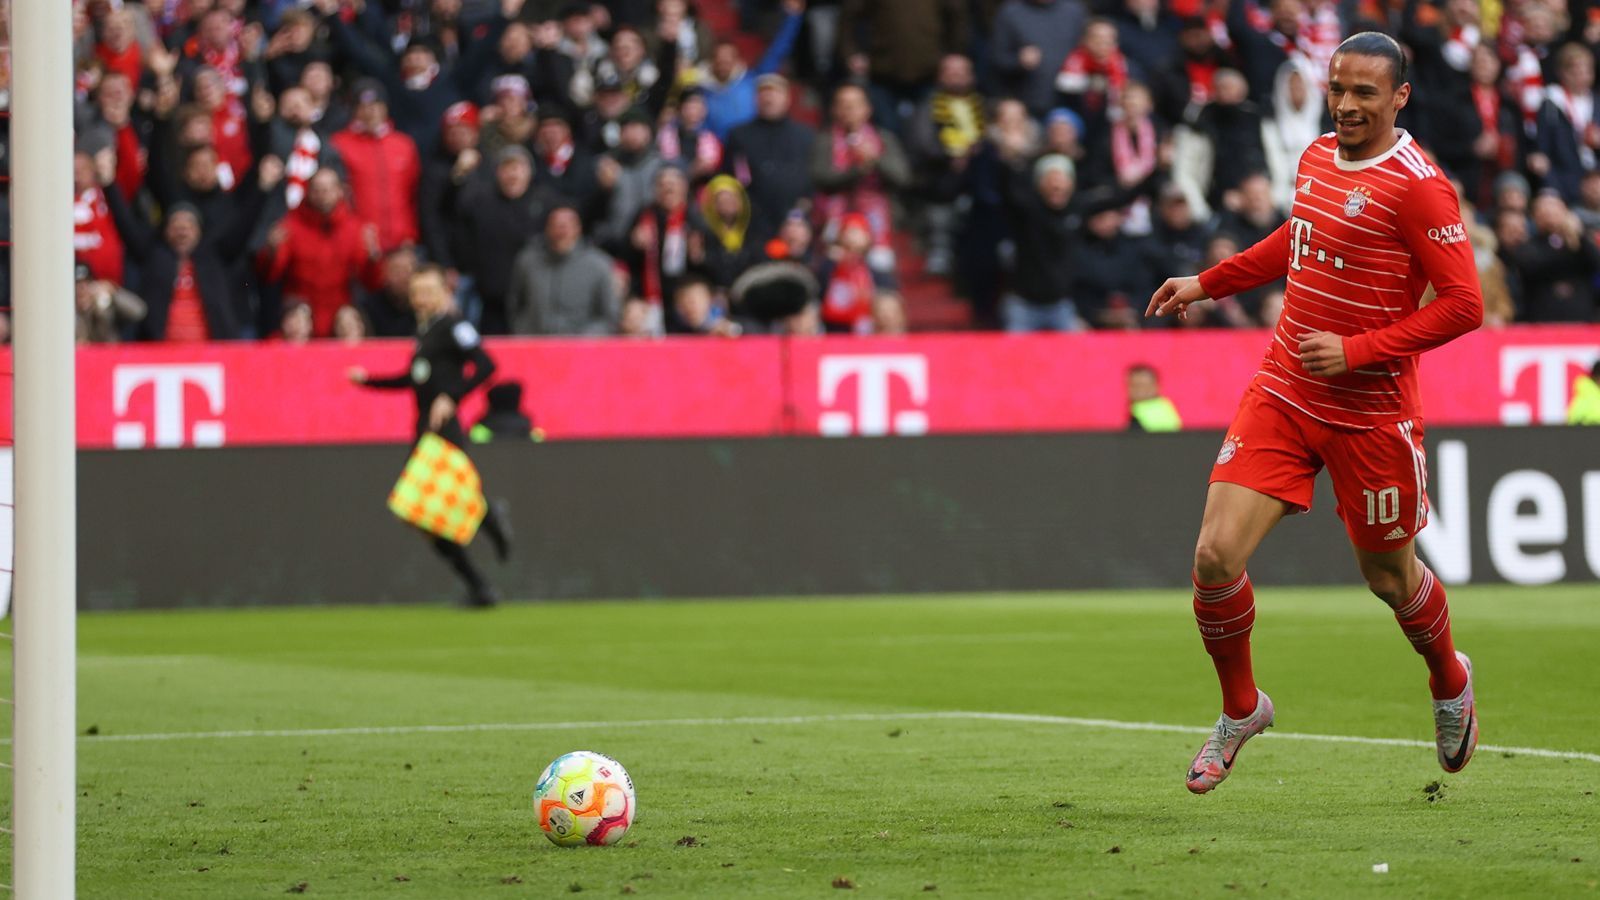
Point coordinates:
[(1022, 718)]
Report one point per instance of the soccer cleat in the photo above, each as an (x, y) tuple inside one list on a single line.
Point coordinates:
[(1215, 760), (484, 597), (1455, 725)]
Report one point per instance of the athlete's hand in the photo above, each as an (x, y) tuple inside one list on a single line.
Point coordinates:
[(1175, 295), (1322, 354), (356, 374), (442, 410)]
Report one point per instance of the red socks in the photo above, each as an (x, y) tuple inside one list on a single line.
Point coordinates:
[(1425, 619), (1225, 614)]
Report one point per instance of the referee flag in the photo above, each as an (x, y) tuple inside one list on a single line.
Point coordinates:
[(440, 492)]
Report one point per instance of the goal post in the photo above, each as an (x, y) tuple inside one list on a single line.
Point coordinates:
[(44, 755)]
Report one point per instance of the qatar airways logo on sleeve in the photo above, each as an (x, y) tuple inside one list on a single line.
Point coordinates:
[(1449, 234), (874, 376), (170, 417), (1554, 367)]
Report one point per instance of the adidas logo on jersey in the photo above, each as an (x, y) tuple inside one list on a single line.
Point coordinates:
[(1305, 187), (1397, 534)]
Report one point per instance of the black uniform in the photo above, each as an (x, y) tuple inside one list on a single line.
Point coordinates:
[(446, 347)]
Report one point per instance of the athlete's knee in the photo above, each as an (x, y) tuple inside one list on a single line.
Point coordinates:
[(1214, 565), (1387, 585)]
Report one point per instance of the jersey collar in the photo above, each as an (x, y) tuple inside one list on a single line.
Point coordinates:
[(1356, 165)]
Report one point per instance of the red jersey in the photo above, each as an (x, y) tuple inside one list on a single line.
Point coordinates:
[(1364, 240)]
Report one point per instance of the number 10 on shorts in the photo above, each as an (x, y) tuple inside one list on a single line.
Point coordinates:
[(1383, 507)]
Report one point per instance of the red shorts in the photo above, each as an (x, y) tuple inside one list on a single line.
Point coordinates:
[(1380, 475)]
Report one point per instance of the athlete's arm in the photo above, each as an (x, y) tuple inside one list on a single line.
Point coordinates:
[(1247, 270), (1430, 223)]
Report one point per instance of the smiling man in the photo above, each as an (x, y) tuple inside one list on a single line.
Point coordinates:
[(1373, 223)]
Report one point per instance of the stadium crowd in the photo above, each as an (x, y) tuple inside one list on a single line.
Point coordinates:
[(276, 169)]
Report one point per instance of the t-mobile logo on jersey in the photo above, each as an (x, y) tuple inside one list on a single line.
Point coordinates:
[(1556, 365), (874, 376), (167, 384)]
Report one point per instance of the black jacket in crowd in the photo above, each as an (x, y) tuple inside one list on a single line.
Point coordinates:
[(493, 230), (222, 245), (777, 156)]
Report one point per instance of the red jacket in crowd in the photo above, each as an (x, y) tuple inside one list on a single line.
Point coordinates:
[(384, 170), (95, 240), (318, 258)]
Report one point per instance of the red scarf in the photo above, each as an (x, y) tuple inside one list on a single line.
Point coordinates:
[(867, 196), (847, 300), (664, 253), (94, 236), (232, 136), (129, 62), (226, 61), (301, 166), (131, 161), (558, 160), (1099, 80), (1133, 149)]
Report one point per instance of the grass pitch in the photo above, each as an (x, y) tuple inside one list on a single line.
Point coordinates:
[(816, 764)]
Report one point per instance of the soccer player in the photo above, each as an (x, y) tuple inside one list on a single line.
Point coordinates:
[(446, 346), (1373, 223)]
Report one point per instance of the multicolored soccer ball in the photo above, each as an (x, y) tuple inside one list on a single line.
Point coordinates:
[(584, 798)]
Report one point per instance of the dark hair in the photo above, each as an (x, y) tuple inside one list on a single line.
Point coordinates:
[(430, 269), (1376, 43), (692, 280), (1137, 368)]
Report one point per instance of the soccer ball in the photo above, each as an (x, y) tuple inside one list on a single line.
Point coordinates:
[(584, 798)]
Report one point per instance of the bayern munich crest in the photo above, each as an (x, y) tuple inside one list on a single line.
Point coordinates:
[(1356, 203), (1229, 448)]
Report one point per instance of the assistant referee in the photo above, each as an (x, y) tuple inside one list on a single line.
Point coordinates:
[(447, 348)]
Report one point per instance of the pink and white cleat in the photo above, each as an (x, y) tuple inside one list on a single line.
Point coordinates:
[(1215, 760), (1455, 725)]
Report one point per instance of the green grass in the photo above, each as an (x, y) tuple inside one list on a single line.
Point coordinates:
[(997, 808)]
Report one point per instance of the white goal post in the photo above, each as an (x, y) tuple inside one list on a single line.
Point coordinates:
[(43, 814)]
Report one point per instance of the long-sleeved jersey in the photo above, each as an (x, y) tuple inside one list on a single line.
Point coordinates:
[(1363, 241), (446, 346)]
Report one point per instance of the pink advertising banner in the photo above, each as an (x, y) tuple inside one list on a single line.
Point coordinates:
[(239, 394)]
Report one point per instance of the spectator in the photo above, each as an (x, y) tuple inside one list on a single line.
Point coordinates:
[(1092, 78), (186, 275), (563, 172), (1499, 143), (888, 315), (731, 87), (1262, 51), (106, 310), (771, 155), (388, 309), (321, 249), (1442, 66), (293, 137), (1588, 208), (1031, 40), (384, 170), (729, 245), (504, 419), (329, 113), (562, 286), (1186, 82), (290, 50), (854, 166), (676, 21), (1138, 148), (95, 238), (111, 126), (296, 326), (1223, 145), (1148, 410), (685, 139), (1178, 239), (640, 319), (695, 307), (509, 115), (229, 127), (1568, 134), (1110, 278), (944, 136), (1253, 216), (349, 326), (849, 284), (1585, 406), (898, 46), (418, 83), (626, 174), (1557, 265), (452, 170), (661, 243), (496, 219), (1512, 193), (1297, 111), (1148, 35)]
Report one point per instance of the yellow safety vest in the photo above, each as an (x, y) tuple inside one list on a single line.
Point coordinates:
[(1585, 408), (1157, 414)]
